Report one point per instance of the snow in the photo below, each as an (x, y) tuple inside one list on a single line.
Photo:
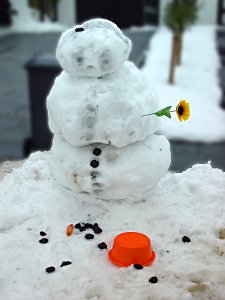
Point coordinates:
[(86, 110), (190, 204), (25, 21), (121, 173), (79, 55), (32, 199), (196, 80)]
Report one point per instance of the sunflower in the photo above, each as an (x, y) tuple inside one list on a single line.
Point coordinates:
[(183, 110)]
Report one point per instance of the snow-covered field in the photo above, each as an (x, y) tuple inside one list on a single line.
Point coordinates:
[(196, 80), (189, 204)]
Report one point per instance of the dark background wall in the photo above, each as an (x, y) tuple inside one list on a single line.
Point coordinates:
[(124, 13)]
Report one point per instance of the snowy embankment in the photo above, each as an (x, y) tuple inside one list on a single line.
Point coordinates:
[(189, 204), (26, 20), (196, 80)]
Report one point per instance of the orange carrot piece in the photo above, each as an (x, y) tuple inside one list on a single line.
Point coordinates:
[(69, 229)]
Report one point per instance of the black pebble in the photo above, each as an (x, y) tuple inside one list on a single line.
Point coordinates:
[(65, 263), (89, 236), (89, 225), (43, 241), (102, 246), (94, 163), (138, 266), (78, 29), (83, 228), (50, 269), (78, 226), (86, 226), (97, 151), (94, 227), (153, 279), (97, 230), (186, 239), (42, 233)]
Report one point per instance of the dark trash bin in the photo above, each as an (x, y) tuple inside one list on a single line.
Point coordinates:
[(5, 13), (42, 71)]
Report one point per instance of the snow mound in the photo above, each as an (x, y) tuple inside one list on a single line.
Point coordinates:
[(196, 80), (188, 204)]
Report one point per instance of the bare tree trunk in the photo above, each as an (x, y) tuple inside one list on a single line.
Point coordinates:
[(173, 59), (179, 51)]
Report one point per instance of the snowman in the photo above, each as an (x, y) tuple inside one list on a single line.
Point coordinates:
[(102, 146)]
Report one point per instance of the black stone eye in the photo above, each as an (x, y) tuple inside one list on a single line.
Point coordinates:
[(78, 29), (79, 59)]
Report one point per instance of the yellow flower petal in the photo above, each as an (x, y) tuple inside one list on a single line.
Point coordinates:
[(183, 110)]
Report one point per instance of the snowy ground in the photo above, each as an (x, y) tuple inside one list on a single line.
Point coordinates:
[(26, 21), (188, 204), (196, 80)]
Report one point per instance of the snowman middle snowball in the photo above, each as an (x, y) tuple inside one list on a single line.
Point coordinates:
[(97, 102)]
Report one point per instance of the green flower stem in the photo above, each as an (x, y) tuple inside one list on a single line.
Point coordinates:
[(162, 112), (148, 115)]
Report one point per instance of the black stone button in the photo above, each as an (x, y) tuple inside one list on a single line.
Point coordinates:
[(153, 279), (89, 236), (50, 269), (43, 241), (42, 233), (102, 246), (65, 263), (186, 239), (138, 266), (97, 151), (78, 29), (94, 163)]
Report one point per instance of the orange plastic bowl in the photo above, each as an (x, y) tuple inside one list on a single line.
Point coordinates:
[(131, 248)]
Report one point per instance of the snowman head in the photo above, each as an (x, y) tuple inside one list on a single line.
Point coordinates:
[(93, 49)]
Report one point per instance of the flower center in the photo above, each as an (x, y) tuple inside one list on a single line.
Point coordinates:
[(180, 110)]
